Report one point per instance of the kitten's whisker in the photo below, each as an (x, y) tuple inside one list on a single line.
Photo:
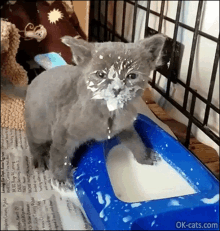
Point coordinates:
[(94, 72), (142, 73), (101, 82)]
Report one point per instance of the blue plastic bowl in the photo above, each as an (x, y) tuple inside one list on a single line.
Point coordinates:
[(106, 212)]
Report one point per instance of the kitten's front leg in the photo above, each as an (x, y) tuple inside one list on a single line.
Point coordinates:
[(61, 153), (59, 164), (133, 142)]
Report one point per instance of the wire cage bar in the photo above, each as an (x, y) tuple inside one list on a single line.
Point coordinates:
[(192, 55), (97, 24), (173, 46)]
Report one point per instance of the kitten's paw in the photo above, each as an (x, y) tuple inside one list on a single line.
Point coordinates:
[(155, 157), (63, 176), (145, 160), (61, 179), (41, 163), (149, 158), (62, 187)]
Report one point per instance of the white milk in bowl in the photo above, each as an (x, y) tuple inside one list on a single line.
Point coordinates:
[(134, 182)]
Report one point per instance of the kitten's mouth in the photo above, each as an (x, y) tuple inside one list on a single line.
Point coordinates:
[(119, 102), (119, 99), (115, 95), (114, 104)]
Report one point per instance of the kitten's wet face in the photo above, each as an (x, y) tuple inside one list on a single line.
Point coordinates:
[(117, 72), (117, 75)]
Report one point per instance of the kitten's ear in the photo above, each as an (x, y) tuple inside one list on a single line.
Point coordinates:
[(153, 47), (81, 49)]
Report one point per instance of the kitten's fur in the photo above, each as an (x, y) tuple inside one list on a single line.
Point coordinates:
[(69, 105)]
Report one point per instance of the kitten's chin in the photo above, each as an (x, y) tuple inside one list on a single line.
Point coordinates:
[(114, 106)]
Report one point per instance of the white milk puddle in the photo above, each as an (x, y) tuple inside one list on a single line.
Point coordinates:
[(133, 182)]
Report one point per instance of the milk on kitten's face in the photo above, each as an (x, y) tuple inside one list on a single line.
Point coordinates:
[(118, 75)]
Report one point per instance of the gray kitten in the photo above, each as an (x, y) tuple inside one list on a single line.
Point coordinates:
[(70, 105)]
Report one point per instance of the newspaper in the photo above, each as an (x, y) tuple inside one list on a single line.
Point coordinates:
[(29, 202)]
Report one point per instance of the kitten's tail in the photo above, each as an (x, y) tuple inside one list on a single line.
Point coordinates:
[(11, 90)]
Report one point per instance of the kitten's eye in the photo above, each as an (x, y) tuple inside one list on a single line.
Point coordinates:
[(132, 76), (101, 74)]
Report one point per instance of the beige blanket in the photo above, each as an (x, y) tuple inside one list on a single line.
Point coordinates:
[(12, 109)]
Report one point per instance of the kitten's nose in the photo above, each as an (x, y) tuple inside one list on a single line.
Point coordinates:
[(116, 91)]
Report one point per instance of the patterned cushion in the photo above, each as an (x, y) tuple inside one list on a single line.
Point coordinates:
[(53, 18)]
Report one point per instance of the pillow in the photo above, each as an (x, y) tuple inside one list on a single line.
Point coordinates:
[(55, 23)]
